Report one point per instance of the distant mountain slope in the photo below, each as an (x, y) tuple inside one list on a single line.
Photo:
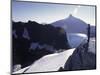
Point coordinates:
[(72, 25), (93, 31), (75, 25)]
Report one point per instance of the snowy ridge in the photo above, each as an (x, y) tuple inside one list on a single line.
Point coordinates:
[(50, 62)]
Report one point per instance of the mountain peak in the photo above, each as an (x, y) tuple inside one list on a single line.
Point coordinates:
[(70, 15), (72, 24)]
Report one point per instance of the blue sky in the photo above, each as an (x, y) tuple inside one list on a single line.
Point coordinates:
[(48, 13)]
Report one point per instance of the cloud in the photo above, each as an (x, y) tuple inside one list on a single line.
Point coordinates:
[(76, 10)]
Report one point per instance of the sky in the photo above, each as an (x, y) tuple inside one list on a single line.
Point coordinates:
[(48, 13)]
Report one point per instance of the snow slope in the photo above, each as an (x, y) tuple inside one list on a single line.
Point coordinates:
[(51, 62)]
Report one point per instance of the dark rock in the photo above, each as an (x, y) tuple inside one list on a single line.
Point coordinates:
[(34, 32), (81, 59)]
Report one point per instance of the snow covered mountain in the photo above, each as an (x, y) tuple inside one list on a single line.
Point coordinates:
[(76, 30), (73, 59), (72, 25), (39, 45)]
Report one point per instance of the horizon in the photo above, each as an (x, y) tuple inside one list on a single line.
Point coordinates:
[(24, 11)]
